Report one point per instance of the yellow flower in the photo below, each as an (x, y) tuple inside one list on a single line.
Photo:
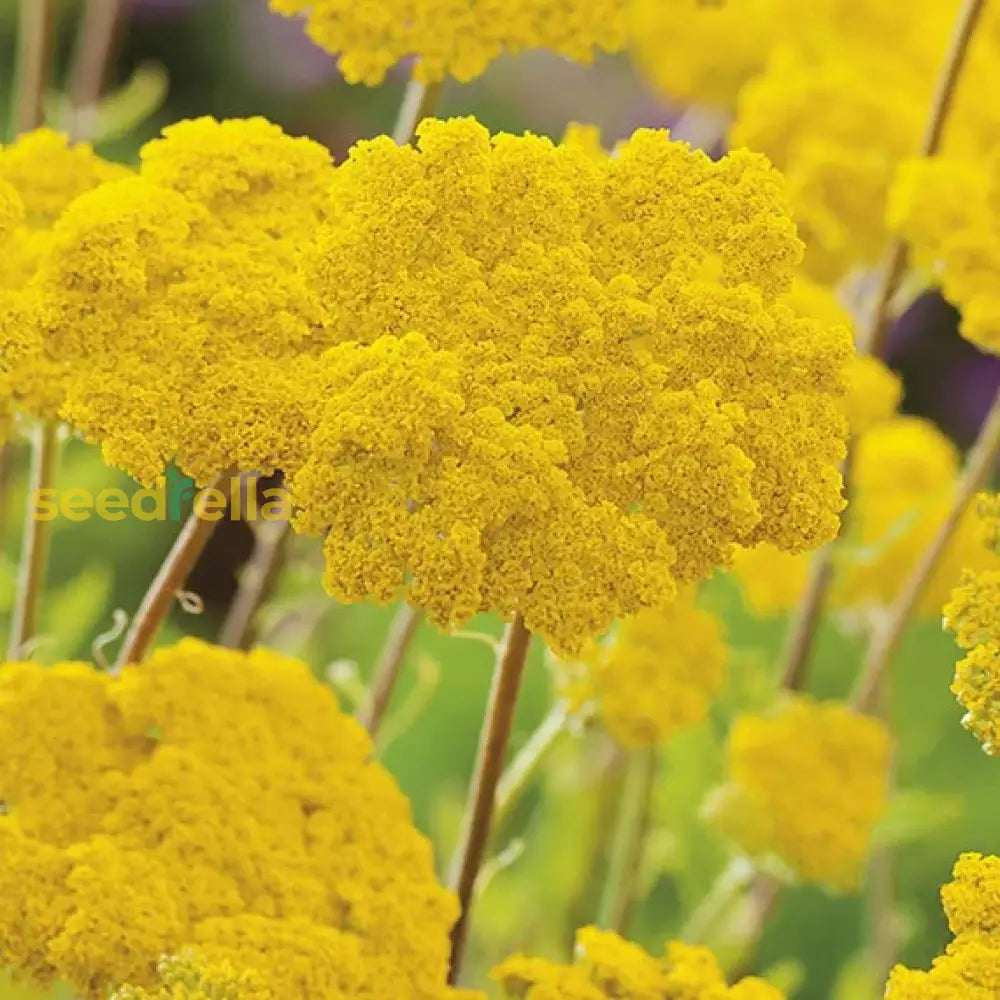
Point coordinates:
[(607, 967), (949, 210), (186, 977), (455, 37), (659, 674), (213, 800), (564, 410), (807, 783), (970, 966), (199, 255)]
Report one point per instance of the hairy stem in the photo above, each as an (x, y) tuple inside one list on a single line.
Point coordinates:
[(632, 824), (493, 741), (170, 579), (419, 102), (35, 542), (390, 663)]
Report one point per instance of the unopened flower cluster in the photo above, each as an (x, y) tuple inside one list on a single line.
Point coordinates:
[(456, 38), (210, 800), (970, 967), (607, 967), (657, 675), (807, 783), (973, 615)]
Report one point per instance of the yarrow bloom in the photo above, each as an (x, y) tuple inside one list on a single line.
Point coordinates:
[(903, 483), (212, 800), (456, 37), (973, 615), (948, 208), (808, 782), (171, 308), (565, 379), (186, 977), (657, 675), (607, 967), (970, 967)]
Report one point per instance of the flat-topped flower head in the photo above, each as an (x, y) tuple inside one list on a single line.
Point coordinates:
[(212, 800), (603, 391), (173, 304), (808, 782), (608, 967), (456, 38), (656, 676)]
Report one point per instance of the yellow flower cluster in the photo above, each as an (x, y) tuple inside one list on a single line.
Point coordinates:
[(607, 967), (212, 800), (47, 174), (186, 977), (658, 675), (973, 614), (562, 410), (820, 90), (948, 208), (172, 307), (455, 37), (970, 967), (808, 783), (904, 475)]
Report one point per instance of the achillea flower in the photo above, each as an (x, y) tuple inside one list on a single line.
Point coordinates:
[(457, 37), (174, 307), (602, 391), (949, 210), (11, 209), (807, 783), (211, 800), (607, 967), (658, 675), (186, 977), (904, 475), (970, 967)]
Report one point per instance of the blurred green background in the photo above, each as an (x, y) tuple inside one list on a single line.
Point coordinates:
[(232, 58)]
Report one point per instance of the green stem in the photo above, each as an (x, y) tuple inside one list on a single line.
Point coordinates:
[(621, 881), (390, 664), (36, 25), (420, 101), (35, 542)]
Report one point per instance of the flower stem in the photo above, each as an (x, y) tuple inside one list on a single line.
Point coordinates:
[(493, 741), (627, 846), (390, 664), (981, 460), (36, 25), (35, 543), (419, 102), (527, 761), (170, 579), (99, 26), (257, 581)]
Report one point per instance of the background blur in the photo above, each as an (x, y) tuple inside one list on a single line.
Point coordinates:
[(185, 58)]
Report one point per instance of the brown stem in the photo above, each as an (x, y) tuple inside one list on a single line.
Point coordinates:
[(419, 102), (170, 579), (99, 27), (390, 664), (36, 27), (257, 582), (493, 741), (35, 543), (981, 460)]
